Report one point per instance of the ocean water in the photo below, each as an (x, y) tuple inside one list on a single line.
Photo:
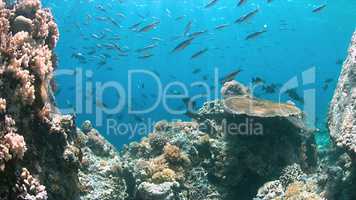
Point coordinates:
[(102, 44)]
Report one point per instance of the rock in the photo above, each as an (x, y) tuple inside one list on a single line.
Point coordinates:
[(342, 112), (150, 191), (270, 190), (27, 63), (342, 125), (22, 23), (87, 126), (260, 139), (234, 88), (100, 175)]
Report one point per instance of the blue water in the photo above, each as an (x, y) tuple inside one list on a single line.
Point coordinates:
[(297, 40)]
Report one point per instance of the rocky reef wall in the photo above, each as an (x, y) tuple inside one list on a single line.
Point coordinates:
[(37, 158), (342, 125), (342, 115)]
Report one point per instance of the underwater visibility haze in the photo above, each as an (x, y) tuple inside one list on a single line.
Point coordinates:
[(177, 99), (110, 38)]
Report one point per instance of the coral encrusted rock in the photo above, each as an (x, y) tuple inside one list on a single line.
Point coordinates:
[(228, 151), (260, 138), (100, 172), (37, 156), (342, 113), (342, 126)]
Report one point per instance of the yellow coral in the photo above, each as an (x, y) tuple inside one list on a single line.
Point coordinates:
[(172, 153), (301, 191), (166, 175), (175, 156)]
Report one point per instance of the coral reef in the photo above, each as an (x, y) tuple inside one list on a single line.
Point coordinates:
[(28, 187), (204, 159), (335, 176), (257, 139), (100, 172), (235, 147), (342, 116), (33, 136), (292, 184), (168, 164), (341, 163)]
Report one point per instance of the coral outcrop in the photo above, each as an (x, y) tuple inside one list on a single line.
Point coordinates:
[(342, 126), (259, 138), (342, 116), (171, 163), (100, 172), (238, 147), (231, 147), (335, 177), (33, 136)]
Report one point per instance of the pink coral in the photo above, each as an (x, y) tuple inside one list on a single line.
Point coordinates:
[(43, 63), (45, 27), (28, 35), (2, 105), (16, 144), (28, 187), (12, 145), (4, 156), (27, 7)]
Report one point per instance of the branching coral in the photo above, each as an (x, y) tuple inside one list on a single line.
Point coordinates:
[(27, 7), (12, 145), (300, 190), (29, 188), (166, 175), (174, 155), (16, 144), (28, 35), (291, 174), (2, 105)]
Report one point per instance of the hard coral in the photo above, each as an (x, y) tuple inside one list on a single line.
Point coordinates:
[(29, 188), (301, 191), (27, 7), (174, 155), (45, 27), (28, 35), (260, 108), (16, 145), (2, 105), (166, 175), (12, 145), (234, 88)]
